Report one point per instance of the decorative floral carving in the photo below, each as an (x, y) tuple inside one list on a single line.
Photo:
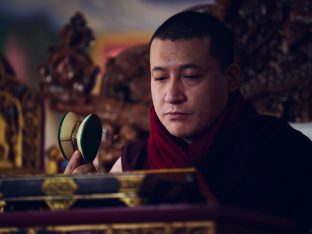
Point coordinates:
[(69, 75)]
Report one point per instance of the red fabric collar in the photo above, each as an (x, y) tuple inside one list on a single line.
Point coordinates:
[(168, 151)]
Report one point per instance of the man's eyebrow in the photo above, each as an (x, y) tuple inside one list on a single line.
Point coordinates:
[(157, 68), (190, 65), (182, 67)]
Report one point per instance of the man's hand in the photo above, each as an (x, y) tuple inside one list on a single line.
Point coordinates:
[(75, 166)]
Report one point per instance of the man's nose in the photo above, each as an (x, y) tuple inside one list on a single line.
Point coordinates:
[(175, 91)]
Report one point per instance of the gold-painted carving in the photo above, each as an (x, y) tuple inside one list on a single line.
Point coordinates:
[(2, 203), (21, 116), (4, 145), (131, 200), (61, 192), (130, 183), (17, 139), (129, 186), (54, 158)]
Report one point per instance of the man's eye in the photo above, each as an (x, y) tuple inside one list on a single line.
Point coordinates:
[(160, 78), (191, 77)]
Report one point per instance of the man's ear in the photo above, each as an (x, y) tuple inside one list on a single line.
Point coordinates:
[(232, 74)]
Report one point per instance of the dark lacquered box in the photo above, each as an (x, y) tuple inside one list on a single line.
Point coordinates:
[(44, 192), (162, 201)]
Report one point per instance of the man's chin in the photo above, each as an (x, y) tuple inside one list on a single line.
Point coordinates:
[(180, 133)]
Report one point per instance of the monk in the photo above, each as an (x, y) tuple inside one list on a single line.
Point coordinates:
[(199, 118)]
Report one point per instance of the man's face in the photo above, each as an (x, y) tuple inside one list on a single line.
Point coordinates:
[(189, 90)]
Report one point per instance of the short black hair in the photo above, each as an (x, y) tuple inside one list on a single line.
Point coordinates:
[(189, 24)]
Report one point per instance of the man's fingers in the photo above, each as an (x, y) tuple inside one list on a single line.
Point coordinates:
[(73, 163), (84, 169)]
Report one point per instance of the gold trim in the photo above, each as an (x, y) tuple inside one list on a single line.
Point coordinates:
[(173, 170), (129, 186), (59, 197), (130, 183), (10, 230), (207, 227), (187, 227), (2, 203), (74, 135), (18, 146), (61, 187)]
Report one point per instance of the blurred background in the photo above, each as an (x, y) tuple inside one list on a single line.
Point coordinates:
[(28, 28)]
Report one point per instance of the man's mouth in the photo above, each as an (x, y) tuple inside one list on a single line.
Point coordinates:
[(176, 115)]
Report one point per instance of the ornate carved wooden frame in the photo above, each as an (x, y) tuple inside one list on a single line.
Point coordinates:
[(21, 124)]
